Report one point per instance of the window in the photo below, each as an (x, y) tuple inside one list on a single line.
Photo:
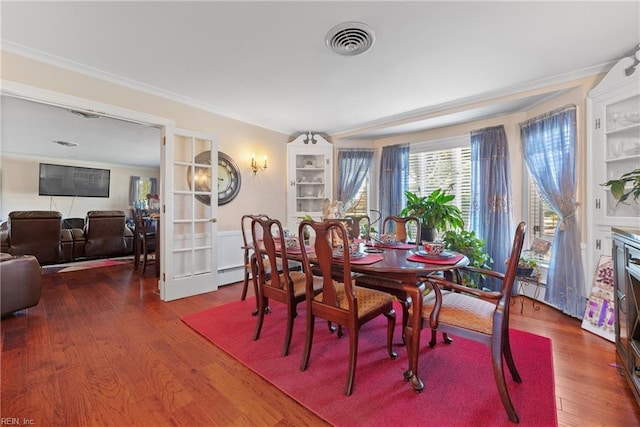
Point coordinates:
[(361, 200), (143, 192), (443, 164), (542, 220)]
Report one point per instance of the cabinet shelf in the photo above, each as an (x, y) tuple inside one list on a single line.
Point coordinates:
[(623, 131), (309, 174), (624, 158)]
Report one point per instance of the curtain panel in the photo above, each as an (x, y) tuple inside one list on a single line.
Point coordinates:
[(549, 145), (491, 206), (353, 169), (394, 179)]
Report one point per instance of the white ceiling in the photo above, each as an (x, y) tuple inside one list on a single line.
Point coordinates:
[(266, 62)]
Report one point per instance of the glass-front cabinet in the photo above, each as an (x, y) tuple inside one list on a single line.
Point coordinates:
[(613, 149), (309, 178), (621, 152)]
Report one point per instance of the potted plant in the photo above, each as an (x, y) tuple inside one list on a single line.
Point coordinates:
[(435, 212), (527, 266), (468, 244), (618, 189)]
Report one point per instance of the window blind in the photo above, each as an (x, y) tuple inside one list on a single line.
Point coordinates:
[(449, 169)]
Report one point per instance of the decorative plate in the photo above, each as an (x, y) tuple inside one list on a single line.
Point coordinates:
[(338, 254), (443, 255)]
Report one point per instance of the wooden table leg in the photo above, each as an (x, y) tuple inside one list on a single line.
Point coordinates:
[(413, 337)]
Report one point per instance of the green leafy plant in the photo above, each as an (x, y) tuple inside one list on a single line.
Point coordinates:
[(434, 211), (467, 243), (527, 266), (619, 189)]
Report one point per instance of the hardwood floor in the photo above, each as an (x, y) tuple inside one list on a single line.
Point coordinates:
[(102, 349)]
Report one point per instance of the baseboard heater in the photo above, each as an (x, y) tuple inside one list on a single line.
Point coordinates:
[(230, 257)]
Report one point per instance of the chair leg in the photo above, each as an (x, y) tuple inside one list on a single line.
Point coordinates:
[(508, 357), (262, 303), (245, 286), (498, 373), (445, 338), (405, 318), (308, 341), (144, 257), (291, 314), (353, 354), (391, 325)]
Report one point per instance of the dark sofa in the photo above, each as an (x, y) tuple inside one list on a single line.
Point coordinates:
[(44, 235), (20, 284)]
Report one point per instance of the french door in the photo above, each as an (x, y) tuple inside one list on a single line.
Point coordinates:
[(188, 264)]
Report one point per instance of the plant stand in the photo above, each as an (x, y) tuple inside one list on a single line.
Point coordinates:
[(523, 282)]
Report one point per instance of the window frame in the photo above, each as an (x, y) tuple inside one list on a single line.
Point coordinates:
[(461, 141)]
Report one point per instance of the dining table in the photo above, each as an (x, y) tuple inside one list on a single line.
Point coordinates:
[(399, 269)]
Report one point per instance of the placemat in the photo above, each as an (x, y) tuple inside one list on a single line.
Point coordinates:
[(447, 261)]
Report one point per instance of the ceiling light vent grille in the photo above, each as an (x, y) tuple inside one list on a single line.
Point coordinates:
[(85, 114), (350, 38)]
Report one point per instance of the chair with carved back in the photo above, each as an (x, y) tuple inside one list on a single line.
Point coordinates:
[(359, 226), (247, 247), (478, 315), (287, 287), (340, 301), (402, 228), (144, 242)]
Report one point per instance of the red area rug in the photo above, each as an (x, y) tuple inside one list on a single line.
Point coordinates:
[(459, 385), (84, 265)]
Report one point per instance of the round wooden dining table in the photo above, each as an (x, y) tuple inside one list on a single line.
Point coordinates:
[(399, 270)]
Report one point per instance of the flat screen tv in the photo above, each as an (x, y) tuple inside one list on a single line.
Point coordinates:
[(60, 180)]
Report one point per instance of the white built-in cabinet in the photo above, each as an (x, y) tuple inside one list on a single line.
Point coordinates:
[(309, 177), (613, 148)]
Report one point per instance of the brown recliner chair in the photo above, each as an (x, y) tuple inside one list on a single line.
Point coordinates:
[(20, 282), (38, 233), (106, 234)]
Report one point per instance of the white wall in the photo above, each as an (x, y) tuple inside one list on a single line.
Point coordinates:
[(20, 188), (264, 192)]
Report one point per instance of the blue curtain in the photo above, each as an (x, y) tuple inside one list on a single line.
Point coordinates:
[(491, 212), (394, 178), (353, 168), (549, 147)]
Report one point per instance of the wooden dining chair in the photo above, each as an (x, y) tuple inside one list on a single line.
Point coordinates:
[(402, 228), (359, 226), (478, 315), (247, 247), (145, 242), (340, 301), (287, 287)]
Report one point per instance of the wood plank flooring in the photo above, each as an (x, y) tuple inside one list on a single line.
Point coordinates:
[(102, 349)]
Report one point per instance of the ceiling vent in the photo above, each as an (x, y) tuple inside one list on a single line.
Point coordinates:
[(85, 114), (67, 143), (350, 38)]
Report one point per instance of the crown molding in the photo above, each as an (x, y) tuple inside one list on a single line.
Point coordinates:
[(79, 68)]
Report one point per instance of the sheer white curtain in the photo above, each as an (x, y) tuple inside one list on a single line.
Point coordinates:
[(549, 145)]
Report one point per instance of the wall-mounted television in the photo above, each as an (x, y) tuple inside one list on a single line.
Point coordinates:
[(60, 180)]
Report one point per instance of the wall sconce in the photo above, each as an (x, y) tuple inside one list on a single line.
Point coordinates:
[(255, 167)]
